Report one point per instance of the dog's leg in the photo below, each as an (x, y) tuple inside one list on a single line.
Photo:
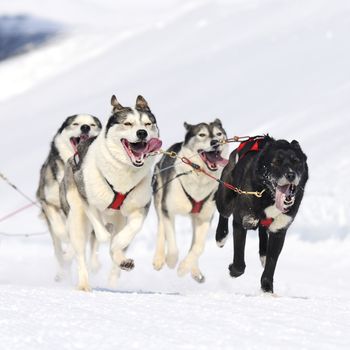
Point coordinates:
[(78, 230), (94, 260), (239, 237), (122, 240), (159, 256), (58, 232), (221, 231), (263, 237), (172, 255), (190, 263), (118, 223), (274, 247)]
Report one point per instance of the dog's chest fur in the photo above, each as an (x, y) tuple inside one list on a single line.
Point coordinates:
[(280, 220), (99, 167)]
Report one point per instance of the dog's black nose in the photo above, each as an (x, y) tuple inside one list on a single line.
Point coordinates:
[(141, 134), (290, 176), (85, 129), (214, 142)]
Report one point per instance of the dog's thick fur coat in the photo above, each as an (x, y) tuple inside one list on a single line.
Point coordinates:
[(117, 161), (280, 168), (176, 189), (63, 146)]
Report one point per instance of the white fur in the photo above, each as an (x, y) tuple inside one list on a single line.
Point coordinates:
[(280, 220), (107, 159), (52, 206), (198, 186)]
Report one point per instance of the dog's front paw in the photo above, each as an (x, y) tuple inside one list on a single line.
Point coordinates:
[(171, 259), (236, 271), (127, 264), (158, 262), (198, 277), (266, 285), (183, 268), (221, 243), (84, 288)]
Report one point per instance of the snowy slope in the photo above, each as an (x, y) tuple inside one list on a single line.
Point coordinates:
[(261, 66)]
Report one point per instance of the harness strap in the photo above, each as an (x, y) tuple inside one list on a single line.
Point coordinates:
[(266, 222), (118, 199), (251, 145), (196, 206)]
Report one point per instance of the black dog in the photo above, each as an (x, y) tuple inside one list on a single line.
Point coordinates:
[(279, 168)]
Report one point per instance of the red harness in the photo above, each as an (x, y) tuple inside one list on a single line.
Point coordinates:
[(196, 206), (118, 199), (266, 222), (253, 144)]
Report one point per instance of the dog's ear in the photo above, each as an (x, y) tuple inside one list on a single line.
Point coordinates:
[(217, 122), (142, 104), (295, 144), (187, 126), (115, 104)]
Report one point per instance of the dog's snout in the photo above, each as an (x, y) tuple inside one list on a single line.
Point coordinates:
[(214, 143), (290, 176), (85, 129), (141, 134)]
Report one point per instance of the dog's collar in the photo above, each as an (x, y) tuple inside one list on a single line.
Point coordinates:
[(196, 206), (118, 198)]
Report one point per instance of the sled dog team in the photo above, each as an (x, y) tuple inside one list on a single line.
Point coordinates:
[(96, 185)]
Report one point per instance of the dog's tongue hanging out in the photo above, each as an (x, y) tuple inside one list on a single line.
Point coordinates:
[(284, 197)]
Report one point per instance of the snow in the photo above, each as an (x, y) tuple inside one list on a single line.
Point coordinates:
[(261, 66)]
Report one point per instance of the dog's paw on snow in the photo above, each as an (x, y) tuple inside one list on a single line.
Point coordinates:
[(236, 271)]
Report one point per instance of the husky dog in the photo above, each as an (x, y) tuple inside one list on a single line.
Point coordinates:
[(279, 168), (177, 190), (110, 184), (64, 145)]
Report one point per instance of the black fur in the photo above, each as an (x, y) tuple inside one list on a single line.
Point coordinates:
[(166, 175), (193, 130), (256, 171)]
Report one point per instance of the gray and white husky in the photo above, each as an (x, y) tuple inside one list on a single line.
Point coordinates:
[(64, 145), (180, 191), (110, 185)]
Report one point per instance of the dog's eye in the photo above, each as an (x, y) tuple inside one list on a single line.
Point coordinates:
[(75, 124), (202, 135), (219, 134), (148, 124), (295, 160), (93, 125), (127, 124), (277, 161)]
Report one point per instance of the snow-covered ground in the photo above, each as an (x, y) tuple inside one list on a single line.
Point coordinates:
[(261, 66)]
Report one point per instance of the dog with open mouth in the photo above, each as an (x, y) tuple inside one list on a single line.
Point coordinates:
[(74, 130), (279, 169), (178, 191), (108, 188)]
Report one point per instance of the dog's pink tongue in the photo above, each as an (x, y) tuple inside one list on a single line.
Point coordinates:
[(153, 145), (222, 162), (281, 194)]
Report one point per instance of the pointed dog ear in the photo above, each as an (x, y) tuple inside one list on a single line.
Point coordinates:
[(217, 121), (115, 103), (187, 126), (295, 144), (141, 103)]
